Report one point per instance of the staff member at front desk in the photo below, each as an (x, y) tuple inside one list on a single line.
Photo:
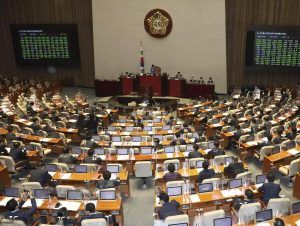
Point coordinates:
[(15, 212)]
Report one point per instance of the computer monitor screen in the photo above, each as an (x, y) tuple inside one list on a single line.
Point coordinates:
[(206, 187), (195, 135), (122, 120), (122, 151), (260, 179), (228, 160), (99, 151), (169, 149), (189, 148), (41, 194), (129, 128), (296, 207), (250, 138), (236, 183), (199, 164), (116, 139), (146, 150), (264, 215), (76, 150), (137, 139), (111, 128), (96, 138), (174, 191), (160, 137), (166, 127), (147, 128), (80, 169), (74, 195), (276, 149), (30, 147), (11, 192), (210, 145), (113, 168), (50, 167), (225, 221), (108, 195)]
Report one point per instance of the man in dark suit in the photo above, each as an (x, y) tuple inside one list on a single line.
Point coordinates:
[(15, 212), (178, 140), (172, 175), (91, 213), (238, 133), (185, 129), (157, 145), (17, 153), (106, 182), (10, 136), (171, 121), (40, 175), (195, 153), (276, 137), (270, 190), (234, 168), (216, 150), (167, 208), (205, 173), (36, 125), (233, 121), (249, 198), (90, 157), (66, 156)]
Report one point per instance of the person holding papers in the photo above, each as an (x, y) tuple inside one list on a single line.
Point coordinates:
[(91, 213), (205, 173), (270, 190), (168, 208), (234, 168), (195, 153), (172, 175), (14, 209), (106, 182)]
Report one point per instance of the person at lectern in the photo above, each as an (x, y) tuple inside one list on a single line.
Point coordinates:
[(152, 69), (210, 81)]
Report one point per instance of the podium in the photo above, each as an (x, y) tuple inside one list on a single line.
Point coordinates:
[(127, 85), (175, 87), (153, 82)]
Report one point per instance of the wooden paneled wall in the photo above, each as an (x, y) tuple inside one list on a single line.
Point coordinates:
[(240, 14), (49, 11)]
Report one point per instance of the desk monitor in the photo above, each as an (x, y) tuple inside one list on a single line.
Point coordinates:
[(11, 192), (122, 151), (175, 164), (206, 187), (137, 139), (129, 128), (170, 149), (291, 144), (51, 167), (30, 147), (195, 135), (147, 128), (235, 183), (296, 207), (228, 160), (174, 191), (96, 138), (116, 139), (122, 120), (80, 168), (99, 151), (225, 221), (160, 137), (199, 164), (107, 195), (41, 194), (74, 195), (189, 147), (76, 150), (156, 120), (260, 179), (264, 215), (146, 151), (113, 168), (276, 149), (215, 121), (166, 127), (111, 128)]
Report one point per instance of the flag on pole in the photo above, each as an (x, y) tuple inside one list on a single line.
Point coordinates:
[(142, 70)]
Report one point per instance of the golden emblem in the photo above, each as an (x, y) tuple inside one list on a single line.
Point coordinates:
[(158, 23)]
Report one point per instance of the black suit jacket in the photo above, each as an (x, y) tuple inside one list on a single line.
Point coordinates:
[(40, 175), (206, 174), (194, 154), (216, 152), (169, 209), (17, 154), (270, 191), (234, 169)]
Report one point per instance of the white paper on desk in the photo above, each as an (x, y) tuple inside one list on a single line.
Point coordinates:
[(207, 150), (281, 118), (263, 224), (117, 143), (52, 173), (8, 150), (170, 131), (293, 151), (72, 206), (297, 222), (114, 176), (39, 202), (231, 192), (71, 130), (252, 143), (195, 198), (5, 200), (45, 139), (126, 133), (123, 157), (185, 154), (66, 176), (72, 120), (169, 155)]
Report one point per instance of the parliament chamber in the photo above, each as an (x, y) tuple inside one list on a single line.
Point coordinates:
[(164, 113)]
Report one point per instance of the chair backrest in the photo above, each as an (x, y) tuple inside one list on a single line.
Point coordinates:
[(182, 148), (143, 169), (220, 159), (247, 212), (61, 190), (194, 160), (174, 161), (246, 176), (243, 139), (31, 186), (39, 147), (94, 222), (215, 181), (265, 151), (9, 222), (294, 167), (111, 151), (178, 219), (9, 163), (279, 206), (91, 168), (208, 217), (63, 167)]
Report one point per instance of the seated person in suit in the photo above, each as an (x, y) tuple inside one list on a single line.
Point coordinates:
[(36, 125), (81, 123), (91, 213), (147, 116), (106, 182), (10, 136), (171, 121), (291, 132), (195, 153), (90, 157), (14, 208), (267, 125), (17, 153), (168, 208), (92, 123), (270, 190), (276, 137), (157, 145), (67, 157), (254, 126), (139, 123), (233, 120), (48, 128), (3, 140), (178, 140), (30, 110), (88, 142), (278, 222), (185, 129), (216, 150), (3, 151), (249, 198), (205, 173), (40, 175), (238, 133), (234, 168), (171, 175)]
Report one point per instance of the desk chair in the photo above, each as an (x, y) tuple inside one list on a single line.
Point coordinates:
[(208, 217), (15, 127), (290, 170), (215, 181), (13, 167), (61, 190), (91, 168), (143, 170), (246, 213), (94, 222), (42, 151), (279, 206), (27, 130), (246, 177), (30, 186), (264, 151), (175, 184), (182, 147), (178, 219), (194, 160), (9, 222), (62, 167)]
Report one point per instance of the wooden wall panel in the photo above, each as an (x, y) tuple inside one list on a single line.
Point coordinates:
[(49, 11), (241, 14)]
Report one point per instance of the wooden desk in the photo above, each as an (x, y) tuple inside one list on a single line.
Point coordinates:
[(211, 129), (296, 190), (4, 175), (32, 138), (3, 131)]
